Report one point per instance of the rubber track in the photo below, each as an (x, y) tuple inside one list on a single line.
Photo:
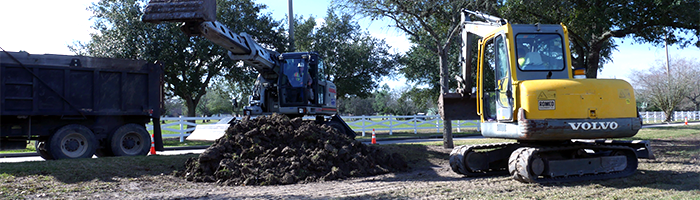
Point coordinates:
[(458, 165), (519, 161)]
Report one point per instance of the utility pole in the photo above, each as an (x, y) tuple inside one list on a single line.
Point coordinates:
[(290, 18), (668, 65)]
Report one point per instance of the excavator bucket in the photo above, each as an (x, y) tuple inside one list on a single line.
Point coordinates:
[(180, 11), (458, 107)]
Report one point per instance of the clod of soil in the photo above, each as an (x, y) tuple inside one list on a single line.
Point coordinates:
[(274, 150)]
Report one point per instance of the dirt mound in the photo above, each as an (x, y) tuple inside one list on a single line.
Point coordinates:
[(273, 150)]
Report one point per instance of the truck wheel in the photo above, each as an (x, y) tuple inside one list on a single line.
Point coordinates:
[(41, 150), (72, 141), (130, 140)]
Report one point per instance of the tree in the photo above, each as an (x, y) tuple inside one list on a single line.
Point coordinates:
[(593, 24), (354, 60), (662, 89), (355, 105), (693, 94), (190, 62), (422, 99), (216, 100), (438, 20), (382, 97)]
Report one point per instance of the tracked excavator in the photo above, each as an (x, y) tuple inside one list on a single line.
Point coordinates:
[(526, 91), (292, 84)]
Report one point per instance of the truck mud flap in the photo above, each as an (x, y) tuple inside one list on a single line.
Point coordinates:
[(180, 11), (157, 135), (458, 107)]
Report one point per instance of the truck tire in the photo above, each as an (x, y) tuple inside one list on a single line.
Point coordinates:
[(72, 141), (130, 140), (41, 150)]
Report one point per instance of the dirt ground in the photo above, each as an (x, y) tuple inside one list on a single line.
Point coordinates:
[(675, 174)]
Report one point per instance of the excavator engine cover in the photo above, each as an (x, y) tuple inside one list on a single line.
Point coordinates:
[(458, 107), (180, 11)]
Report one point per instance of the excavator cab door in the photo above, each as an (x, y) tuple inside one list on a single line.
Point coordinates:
[(497, 85)]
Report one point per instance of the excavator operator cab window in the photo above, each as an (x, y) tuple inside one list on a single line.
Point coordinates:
[(540, 52), (298, 80)]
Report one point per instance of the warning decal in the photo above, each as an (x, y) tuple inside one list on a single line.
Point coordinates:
[(551, 94)]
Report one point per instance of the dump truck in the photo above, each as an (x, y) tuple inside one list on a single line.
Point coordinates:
[(78, 106), (291, 83), (526, 91)]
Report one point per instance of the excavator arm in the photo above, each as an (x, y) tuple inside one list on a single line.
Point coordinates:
[(462, 104), (199, 17)]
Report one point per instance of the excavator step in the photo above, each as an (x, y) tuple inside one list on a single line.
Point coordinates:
[(180, 11)]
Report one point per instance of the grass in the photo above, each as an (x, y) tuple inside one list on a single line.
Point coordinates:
[(175, 142), (17, 180), (104, 169), (666, 132), (167, 142)]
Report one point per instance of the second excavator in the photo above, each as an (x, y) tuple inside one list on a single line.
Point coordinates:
[(526, 91)]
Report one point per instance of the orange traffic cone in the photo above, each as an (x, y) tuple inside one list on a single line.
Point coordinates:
[(153, 146), (686, 121), (374, 137)]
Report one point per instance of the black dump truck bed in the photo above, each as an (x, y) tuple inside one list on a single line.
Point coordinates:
[(40, 94)]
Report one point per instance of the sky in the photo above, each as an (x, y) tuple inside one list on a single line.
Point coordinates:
[(49, 26)]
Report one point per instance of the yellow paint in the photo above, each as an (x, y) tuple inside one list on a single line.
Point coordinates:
[(576, 98), (573, 98)]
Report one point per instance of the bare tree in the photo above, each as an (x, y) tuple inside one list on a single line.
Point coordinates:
[(666, 90), (694, 73)]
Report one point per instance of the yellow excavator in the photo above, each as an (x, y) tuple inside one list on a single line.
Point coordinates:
[(526, 91)]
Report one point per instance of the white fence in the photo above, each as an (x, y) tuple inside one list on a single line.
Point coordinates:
[(360, 124), (656, 117), (364, 124), (182, 124)]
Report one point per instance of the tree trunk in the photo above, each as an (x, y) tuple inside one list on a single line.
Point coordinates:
[(669, 115), (444, 88), (592, 61), (191, 110)]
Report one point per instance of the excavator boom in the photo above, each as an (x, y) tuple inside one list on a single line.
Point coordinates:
[(199, 17)]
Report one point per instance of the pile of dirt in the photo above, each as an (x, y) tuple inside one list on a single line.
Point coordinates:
[(273, 150)]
